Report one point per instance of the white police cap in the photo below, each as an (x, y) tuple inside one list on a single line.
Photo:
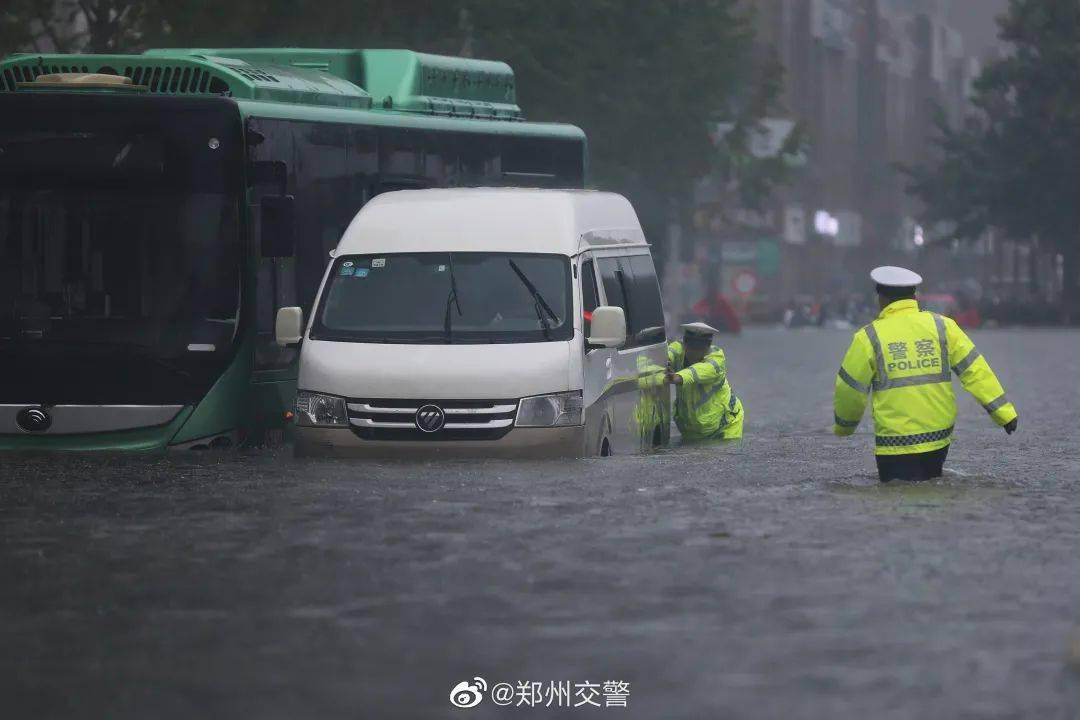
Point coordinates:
[(898, 277), (699, 329)]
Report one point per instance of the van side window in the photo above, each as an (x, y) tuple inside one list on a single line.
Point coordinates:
[(612, 274), (589, 295), (646, 308)]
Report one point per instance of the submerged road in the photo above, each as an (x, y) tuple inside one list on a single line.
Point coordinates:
[(773, 578)]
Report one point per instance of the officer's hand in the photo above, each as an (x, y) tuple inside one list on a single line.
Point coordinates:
[(1010, 427), (673, 379)]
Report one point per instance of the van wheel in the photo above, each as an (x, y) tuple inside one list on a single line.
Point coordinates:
[(605, 448)]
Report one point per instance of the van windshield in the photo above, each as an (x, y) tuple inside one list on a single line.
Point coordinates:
[(439, 298)]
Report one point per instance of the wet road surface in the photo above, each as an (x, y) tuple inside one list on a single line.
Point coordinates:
[(770, 578)]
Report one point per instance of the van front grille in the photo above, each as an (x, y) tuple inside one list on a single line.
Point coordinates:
[(452, 420)]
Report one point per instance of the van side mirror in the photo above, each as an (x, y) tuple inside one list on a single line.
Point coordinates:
[(608, 327), (277, 226), (289, 326)]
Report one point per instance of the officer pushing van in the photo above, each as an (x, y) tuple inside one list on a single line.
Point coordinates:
[(705, 405), (907, 357)]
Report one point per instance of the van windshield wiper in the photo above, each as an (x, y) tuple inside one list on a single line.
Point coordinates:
[(539, 303), (451, 298)]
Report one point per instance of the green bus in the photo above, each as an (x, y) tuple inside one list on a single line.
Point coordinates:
[(157, 209)]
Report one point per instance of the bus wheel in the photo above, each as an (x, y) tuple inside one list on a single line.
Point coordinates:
[(605, 448)]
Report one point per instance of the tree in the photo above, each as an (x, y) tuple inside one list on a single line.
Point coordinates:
[(1015, 163), (25, 24), (72, 25), (642, 78)]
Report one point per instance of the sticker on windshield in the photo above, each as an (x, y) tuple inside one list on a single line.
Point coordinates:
[(441, 268), (378, 262), (346, 268), (360, 272)]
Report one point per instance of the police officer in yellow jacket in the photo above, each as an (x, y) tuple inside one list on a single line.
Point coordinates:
[(907, 358), (705, 405), (652, 411)]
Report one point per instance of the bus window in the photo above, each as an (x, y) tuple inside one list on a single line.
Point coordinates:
[(393, 186), (275, 288), (441, 160), (480, 161), (402, 153), (542, 163)]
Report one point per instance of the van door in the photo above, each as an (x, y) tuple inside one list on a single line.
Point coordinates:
[(597, 369), (621, 392), (648, 340), (633, 413)]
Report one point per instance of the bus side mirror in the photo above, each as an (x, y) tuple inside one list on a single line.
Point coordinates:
[(277, 226), (608, 327), (289, 326)]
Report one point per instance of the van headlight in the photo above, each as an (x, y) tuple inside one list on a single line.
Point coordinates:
[(550, 410), (318, 410)]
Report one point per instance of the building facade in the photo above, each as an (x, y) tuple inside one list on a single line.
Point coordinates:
[(866, 81)]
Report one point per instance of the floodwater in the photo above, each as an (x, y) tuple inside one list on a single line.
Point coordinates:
[(772, 578)]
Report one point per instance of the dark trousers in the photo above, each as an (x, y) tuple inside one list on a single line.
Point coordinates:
[(917, 466)]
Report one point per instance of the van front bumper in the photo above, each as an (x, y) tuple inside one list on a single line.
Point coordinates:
[(518, 443)]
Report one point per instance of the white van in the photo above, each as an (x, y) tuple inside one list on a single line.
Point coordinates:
[(511, 322)]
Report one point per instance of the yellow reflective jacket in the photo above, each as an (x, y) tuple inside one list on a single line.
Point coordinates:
[(652, 409), (704, 403), (907, 357)]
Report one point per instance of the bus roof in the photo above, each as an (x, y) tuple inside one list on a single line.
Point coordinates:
[(564, 222), (391, 81)]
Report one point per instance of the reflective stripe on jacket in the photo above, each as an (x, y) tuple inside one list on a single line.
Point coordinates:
[(704, 403), (907, 358)]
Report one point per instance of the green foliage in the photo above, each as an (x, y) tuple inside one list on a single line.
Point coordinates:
[(736, 163), (1015, 164), (73, 25), (642, 78), (22, 22)]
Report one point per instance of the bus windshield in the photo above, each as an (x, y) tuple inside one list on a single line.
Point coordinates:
[(119, 268), (435, 298)]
